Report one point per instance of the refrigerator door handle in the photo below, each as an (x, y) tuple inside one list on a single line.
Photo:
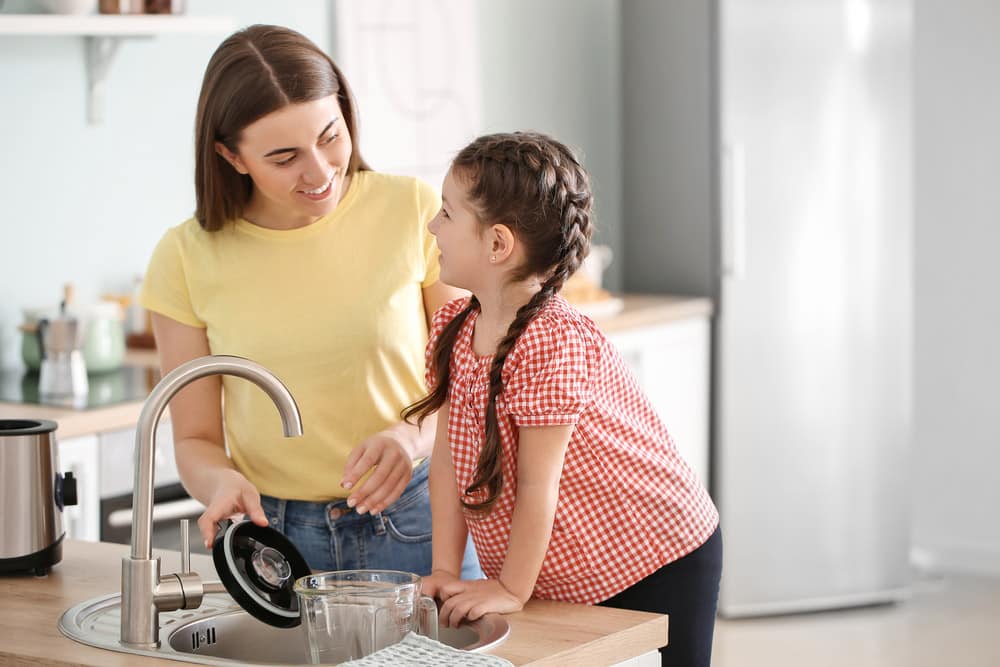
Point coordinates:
[(733, 211)]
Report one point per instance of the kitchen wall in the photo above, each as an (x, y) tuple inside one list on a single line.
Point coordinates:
[(667, 201), (957, 449), (554, 66), (87, 203)]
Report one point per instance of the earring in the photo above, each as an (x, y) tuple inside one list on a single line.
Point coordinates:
[(493, 258)]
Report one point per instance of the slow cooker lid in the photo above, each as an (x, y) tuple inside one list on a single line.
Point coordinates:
[(26, 426)]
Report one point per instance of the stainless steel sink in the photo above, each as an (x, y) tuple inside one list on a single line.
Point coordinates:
[(179, 616), (221, 633)]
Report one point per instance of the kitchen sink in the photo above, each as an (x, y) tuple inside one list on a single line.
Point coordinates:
[(221, 633)]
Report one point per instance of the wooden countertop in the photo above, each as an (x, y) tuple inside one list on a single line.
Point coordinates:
[(637, 310), (648, 309), (544, 633)]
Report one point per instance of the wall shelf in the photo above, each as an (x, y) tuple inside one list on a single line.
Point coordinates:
[(103, 35), (108, 25)]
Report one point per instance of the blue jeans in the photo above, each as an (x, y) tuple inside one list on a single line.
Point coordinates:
[(332, 536)]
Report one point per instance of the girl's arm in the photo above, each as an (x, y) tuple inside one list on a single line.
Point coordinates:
[(541, 451), (449, 532), (540, 454)]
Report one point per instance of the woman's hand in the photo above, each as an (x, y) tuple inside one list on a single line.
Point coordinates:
[(384, 454), (234, 496), (471, 599)]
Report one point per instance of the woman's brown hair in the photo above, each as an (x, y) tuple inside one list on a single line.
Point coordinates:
[(254, 72), (534, 185)]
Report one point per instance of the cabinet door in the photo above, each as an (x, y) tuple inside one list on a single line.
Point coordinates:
[(671, 363), (118, 460), (80, 456)]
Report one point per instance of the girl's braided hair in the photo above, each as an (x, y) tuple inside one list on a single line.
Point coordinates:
[(534, 185)]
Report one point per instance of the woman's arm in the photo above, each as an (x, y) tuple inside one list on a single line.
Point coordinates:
[(541, 451), (437, 295), (196, 417)]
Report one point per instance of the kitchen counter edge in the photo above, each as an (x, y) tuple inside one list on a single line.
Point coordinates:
[(544, 633)]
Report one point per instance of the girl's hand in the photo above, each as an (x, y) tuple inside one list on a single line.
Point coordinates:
[(471, 599), (234, 496), (432, 583), (391, 467)]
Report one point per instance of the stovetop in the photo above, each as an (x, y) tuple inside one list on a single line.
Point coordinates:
[(125, 385)]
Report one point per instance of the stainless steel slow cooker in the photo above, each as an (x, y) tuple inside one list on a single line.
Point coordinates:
[(32, 496)]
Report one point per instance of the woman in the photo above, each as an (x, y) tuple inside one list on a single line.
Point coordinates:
[(304, 260)]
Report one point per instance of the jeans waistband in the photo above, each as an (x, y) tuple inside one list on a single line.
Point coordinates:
[(318, 513)]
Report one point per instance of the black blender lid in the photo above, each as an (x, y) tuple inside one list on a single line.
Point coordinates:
[(259, 566)]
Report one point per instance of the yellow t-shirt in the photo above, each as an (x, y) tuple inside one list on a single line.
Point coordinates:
[(334, 309)]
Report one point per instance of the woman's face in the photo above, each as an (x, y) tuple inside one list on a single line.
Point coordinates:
[(297, 157)]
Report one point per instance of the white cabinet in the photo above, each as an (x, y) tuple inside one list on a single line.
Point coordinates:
[(104, 466), (651, 659), (80, 456), (118, 460), (671, 363)]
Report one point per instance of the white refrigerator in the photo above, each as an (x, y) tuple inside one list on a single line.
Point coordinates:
[(799, 224)]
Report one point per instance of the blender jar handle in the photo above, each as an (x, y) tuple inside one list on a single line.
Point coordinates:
[(428, 615)]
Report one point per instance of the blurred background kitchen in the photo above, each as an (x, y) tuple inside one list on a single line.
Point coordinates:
[(98, 141)]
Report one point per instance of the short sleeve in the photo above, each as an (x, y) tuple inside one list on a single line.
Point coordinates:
[(428, 205), (442, 316), (165, 287), (548, 383)]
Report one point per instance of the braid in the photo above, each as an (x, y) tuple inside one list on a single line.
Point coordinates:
[(489, 468), (536, 186), (441, 366)]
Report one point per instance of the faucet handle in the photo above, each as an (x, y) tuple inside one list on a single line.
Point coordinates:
[(185, 547)]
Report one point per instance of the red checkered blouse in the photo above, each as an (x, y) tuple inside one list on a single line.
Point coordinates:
[(628, 504)]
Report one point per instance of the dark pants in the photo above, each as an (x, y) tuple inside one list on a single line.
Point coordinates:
[(687, 590)]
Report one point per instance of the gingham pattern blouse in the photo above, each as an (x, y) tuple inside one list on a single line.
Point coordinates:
[(628, 504)]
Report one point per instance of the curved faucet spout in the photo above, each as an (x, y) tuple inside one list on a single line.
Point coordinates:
[(149, 418), (144, 592)]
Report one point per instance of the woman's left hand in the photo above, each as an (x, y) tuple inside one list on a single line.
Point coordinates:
[(471, 599), (391, 468)]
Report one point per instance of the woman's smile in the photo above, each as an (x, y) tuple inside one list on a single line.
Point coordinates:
[(320, 193)]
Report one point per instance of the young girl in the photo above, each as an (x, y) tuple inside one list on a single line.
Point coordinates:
[(547, 451)]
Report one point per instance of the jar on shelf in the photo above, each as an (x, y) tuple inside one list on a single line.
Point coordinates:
[(165, 6), (121, 6)]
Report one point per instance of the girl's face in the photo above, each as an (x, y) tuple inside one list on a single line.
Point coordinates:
[(297, 157), (465, 249)]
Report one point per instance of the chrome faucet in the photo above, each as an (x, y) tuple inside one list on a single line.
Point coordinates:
[(145, 592)]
